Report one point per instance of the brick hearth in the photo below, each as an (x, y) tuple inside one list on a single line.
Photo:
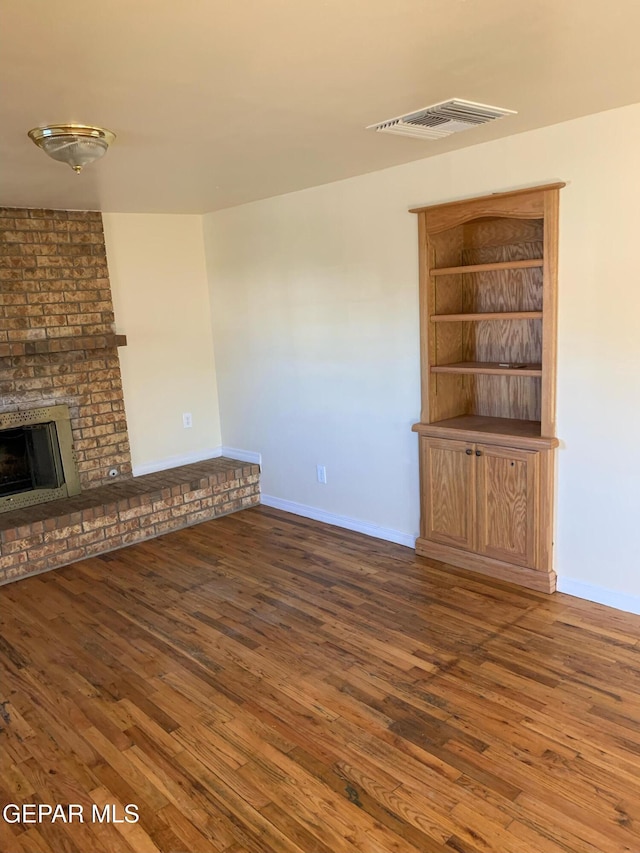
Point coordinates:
[(50, 535)]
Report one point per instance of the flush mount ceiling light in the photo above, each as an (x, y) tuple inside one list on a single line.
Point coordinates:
[(74, 144)]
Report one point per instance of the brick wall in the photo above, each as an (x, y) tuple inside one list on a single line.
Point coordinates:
[(55, 296)]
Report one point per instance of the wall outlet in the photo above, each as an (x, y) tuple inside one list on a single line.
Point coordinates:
[(322, 474), (187, 422)]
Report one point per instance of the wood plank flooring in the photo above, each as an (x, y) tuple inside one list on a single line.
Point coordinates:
[(266, 684)]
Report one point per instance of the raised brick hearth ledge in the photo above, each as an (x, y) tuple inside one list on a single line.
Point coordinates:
[(50, 535)]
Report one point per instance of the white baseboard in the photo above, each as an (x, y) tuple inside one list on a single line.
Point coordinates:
[(177, 461), (197, 456), (241, 455), (340, 521), (600, 595)]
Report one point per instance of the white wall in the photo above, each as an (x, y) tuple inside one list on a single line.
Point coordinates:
[(161, 302), (315, 327), (315, 319)]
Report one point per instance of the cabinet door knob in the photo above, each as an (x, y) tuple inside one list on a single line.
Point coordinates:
[(468, 451), (478, 453)]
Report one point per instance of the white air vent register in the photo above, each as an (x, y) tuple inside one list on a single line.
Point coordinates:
[(440, 120)]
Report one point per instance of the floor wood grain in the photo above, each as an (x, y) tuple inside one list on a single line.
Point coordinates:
[(267, 684)]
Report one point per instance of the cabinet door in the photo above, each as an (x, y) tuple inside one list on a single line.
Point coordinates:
[(448, 486), (507, 504)]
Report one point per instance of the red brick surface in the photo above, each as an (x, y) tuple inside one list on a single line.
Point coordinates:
[(57, 342), (46, 536)]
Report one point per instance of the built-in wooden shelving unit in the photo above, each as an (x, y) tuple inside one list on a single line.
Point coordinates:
[(488, 270)]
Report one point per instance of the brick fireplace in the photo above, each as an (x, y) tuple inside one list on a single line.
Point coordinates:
[(58, 347), (57, 341)]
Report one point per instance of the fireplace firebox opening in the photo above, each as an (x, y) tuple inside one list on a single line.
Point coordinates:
[(37, 463)]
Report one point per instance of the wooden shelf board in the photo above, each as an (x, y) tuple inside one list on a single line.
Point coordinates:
[(484, 423), (489, 430), (487, 315), (488, 367), (498, 265), (48, 346)]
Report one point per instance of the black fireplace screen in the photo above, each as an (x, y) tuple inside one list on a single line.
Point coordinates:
[(30, 459)]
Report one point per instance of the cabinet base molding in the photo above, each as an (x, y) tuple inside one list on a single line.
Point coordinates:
[(529, 578)]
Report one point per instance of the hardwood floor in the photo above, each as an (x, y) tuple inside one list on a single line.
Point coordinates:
[(268, 684)]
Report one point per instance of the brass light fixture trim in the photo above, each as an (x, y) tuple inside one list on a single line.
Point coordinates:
[(74, 144)]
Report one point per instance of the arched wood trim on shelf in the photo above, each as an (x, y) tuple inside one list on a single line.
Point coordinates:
[(528, 205)]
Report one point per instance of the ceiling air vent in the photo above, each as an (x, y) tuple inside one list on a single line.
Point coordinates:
[(440, 120)]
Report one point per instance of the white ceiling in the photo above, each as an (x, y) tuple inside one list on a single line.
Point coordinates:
[(220, 102)]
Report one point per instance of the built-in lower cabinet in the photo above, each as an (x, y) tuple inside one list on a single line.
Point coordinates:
[(507, 486), (449, 492), (483, 508)]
